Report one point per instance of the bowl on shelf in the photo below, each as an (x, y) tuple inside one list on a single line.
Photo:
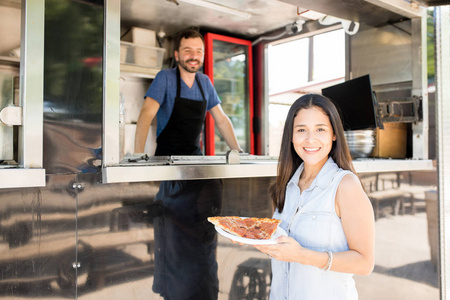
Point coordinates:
[(360, 142)]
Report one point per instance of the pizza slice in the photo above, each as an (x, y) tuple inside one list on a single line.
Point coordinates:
[(250, 228)]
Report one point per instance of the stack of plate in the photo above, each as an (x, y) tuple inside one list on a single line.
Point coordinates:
[(360, 142)]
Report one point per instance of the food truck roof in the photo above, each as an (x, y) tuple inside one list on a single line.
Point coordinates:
[(249, 18)]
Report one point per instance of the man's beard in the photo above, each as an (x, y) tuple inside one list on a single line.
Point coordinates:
[(184, 65)]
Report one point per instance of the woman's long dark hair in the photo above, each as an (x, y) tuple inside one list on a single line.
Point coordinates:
[(289, 161)]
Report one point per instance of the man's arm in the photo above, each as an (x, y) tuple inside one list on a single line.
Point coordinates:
[(225, 127), (148, 112)]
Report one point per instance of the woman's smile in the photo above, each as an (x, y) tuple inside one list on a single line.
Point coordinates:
[(311, 149)]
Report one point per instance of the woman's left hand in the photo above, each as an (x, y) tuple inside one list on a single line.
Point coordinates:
[(287, 249)]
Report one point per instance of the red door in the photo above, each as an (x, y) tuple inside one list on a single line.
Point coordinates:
[(228, 63)]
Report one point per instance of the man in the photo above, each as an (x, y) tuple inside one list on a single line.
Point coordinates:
[(180, 98), (185, 242)]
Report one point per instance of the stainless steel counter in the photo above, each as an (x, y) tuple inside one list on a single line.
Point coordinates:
[(145, 171)]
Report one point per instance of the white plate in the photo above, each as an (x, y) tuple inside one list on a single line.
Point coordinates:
[(239, 239)]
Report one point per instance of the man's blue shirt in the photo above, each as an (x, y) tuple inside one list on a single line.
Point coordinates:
[(164, 90)]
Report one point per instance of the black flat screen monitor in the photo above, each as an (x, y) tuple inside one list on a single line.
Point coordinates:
[(355, 102)]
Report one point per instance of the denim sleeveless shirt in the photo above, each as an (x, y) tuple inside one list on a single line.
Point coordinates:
[(310, 218)]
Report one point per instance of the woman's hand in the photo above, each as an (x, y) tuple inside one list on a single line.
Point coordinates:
[(287, 249)]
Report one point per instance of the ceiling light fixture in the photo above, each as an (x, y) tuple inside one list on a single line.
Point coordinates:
[(219, 8)]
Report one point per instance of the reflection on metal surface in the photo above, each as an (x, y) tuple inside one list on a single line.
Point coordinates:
[(41, 255), (73, 86), (38, 234), (78, 238), (72, 147), (252, 279)]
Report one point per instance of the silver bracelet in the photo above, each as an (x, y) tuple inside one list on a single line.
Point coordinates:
[(330, 261)]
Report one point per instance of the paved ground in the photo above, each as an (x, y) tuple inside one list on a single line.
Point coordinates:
[(403, 269)]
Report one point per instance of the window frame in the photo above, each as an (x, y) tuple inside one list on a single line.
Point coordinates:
[(29, 172)]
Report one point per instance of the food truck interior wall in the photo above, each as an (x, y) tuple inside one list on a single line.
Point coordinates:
[(362, 59)]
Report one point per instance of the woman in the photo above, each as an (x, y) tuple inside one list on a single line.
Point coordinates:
[(323, 207)]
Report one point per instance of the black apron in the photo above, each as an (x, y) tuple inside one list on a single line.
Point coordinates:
[(185, 242), (181, 136)]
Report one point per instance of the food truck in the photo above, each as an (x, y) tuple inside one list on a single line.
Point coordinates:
[(80, 215)]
